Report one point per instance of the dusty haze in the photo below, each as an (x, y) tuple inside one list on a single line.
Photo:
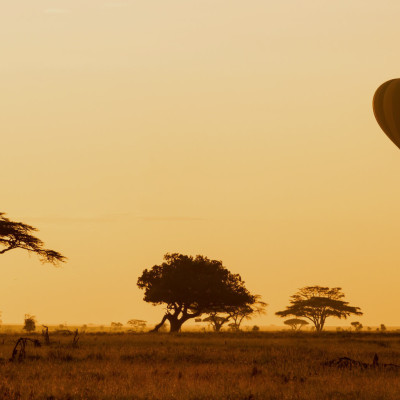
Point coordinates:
[(242, 131)]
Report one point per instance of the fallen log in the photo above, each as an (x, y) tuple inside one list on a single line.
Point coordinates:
[(349, 363)]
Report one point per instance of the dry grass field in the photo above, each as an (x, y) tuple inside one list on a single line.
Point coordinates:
[(202, 366)]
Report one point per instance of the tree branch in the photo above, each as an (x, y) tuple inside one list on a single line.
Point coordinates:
[(7, 249), (158, 326)]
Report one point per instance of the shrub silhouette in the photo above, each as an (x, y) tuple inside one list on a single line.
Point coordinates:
[(29, 323)]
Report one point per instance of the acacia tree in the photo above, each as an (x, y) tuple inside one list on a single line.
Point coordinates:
[(246, 311), (17, 235), (317, 303), (116, 326), (357, 326), (236, 314), (216, 321), (295, 323), (137, 325), (190, 287)]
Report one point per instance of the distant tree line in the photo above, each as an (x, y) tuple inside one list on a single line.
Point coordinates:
[(189, 287)]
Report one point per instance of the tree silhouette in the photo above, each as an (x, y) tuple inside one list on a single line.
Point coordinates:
[(29, 323), (116, 326), (317, 303), (216, 321), (295, 323), (17, 235), (357, 326), (137, 325), (190, 287), (246, 311), (236, 314)]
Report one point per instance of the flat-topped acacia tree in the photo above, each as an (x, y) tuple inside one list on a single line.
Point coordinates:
[(17, 235), (295, 323), (317, 303), (190, 286)]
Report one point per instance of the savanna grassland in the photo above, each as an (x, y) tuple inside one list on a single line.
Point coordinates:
[(201, 366)]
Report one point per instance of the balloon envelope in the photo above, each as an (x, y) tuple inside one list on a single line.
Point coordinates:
[(386, 105)]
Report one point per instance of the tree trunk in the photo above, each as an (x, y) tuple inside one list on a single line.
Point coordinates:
[(175, 324), (318, 327), (158, 326)]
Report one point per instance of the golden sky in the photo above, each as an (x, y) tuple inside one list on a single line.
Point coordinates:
[(242, 131)]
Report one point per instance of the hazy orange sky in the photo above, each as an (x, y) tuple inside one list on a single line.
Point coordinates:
[(242, 131)]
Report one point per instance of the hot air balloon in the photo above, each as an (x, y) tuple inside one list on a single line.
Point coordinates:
[(386, 105)]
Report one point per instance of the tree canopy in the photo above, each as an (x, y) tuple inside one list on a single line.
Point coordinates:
[(190, 286), (17, 235), (317, 303)]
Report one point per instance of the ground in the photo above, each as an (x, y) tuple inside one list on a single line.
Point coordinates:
[(199, 366)]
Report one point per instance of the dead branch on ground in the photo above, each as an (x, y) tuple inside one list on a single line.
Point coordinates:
[(18, 352)]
